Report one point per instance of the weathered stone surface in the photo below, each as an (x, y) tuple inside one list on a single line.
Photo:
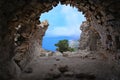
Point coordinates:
[(28, 70), (29, 42), (68, 74), (63, 68), (53, 75), (89, 38), (85, 76), (57, 54), (26, 12)]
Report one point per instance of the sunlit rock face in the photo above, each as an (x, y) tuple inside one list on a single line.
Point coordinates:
[(21, 16)]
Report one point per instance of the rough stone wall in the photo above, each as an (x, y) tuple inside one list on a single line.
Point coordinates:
[(89, 38), (28, 42), (103, 15), (105, 18)]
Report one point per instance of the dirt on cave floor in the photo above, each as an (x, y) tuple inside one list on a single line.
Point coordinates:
[(71, 68)]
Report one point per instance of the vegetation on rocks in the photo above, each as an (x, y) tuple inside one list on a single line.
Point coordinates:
[(63, 46)]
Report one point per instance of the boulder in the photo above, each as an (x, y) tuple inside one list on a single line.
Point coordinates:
[(68, 74), (28, 70), (57, 53)]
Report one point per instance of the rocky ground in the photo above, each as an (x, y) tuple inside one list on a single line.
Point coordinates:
[(71, 68)]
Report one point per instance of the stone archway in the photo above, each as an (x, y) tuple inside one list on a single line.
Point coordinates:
[(102, 15)]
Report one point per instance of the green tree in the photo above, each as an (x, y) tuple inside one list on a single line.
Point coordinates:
[(63, 46)]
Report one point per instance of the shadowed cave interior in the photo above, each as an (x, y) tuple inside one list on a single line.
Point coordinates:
[(21, 35)]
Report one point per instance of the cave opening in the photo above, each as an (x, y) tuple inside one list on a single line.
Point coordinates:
[(64, 23), (34, 35)]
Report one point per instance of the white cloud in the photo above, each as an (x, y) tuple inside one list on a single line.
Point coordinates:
[(72, 27), (63, 31)]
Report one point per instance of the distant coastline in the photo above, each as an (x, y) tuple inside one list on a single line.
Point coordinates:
[(48, 42)]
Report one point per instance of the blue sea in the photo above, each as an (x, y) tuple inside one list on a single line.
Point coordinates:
[(48, 43)]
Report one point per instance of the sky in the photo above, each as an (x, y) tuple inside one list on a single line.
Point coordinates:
[(64, 23)]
